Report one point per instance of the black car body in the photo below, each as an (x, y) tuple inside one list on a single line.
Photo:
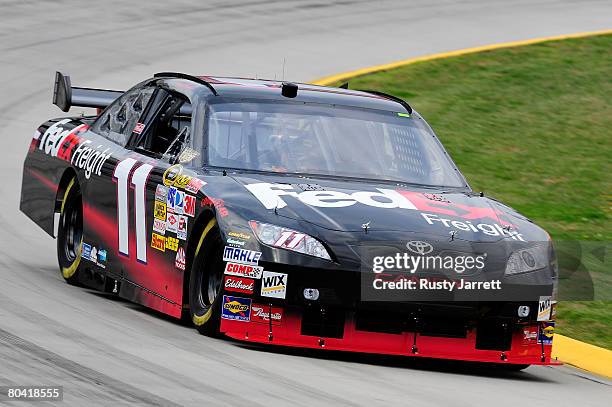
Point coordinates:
[(214, 198)]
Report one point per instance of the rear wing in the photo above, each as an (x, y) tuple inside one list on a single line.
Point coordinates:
[(65, 95)]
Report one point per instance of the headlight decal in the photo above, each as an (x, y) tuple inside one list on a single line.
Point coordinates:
[(289, 239)]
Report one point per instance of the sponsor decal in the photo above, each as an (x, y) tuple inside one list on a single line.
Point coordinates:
[(235, 242), (139, 128), (159, 210), (236, 308), (271, 196), (544, 308), (173, 176), (85, 251), (159, 226), (194, 185), (244, 270), (176, 200), (277, 196), (158, 242), (239, 255), (179, 261), (440, 205), (530, 334), (95, 255), (172, 243), (273, 284), (102, 256), (172, 223), (260, 314), (239, 235), (546, 333), (491, 229), (218, 204), (189, 206), (289, 239), (181, 230), (161, 193), (187, 155), (239, 284), (67, 145)]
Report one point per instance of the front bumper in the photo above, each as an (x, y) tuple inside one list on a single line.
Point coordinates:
[(294, 329)]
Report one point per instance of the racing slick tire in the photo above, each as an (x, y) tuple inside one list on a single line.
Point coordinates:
[(70, 232), (205, 281)]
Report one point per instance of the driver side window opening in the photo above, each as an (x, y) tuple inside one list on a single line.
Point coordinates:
[(166, 128), (118, 121)]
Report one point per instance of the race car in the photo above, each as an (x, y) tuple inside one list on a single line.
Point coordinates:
[(288, 214)]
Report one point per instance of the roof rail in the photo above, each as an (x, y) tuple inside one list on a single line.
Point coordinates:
[(180, 75), (390, 97)]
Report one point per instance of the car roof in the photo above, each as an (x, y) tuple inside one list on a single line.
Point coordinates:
[(271, 89)]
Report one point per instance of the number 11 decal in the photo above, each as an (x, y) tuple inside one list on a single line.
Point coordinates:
[(139, 181)]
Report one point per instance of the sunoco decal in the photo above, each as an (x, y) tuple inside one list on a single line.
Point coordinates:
[(236, 308)]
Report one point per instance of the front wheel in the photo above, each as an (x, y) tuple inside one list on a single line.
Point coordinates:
[(205, 281), (70, 232)]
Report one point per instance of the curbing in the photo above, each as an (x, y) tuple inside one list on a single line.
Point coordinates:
[(583, 355), (580, 354), (328, 80)]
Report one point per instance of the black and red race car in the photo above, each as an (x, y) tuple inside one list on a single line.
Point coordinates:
[(289, 214)]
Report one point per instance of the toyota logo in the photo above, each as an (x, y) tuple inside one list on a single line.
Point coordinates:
[(419, 247)]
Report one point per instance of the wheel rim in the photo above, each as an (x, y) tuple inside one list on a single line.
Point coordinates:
[(210, 285), (73, 226)]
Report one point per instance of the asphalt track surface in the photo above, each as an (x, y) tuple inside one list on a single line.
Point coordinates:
[(110, 352)]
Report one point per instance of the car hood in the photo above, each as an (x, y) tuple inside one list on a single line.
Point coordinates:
[(344, 205)]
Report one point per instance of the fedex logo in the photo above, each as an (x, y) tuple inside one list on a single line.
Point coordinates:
[(271, 196)]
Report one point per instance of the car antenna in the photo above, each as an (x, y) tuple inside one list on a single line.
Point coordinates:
[(284, 60)]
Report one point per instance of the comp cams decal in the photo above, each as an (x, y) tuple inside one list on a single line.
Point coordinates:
[(236, 308), (243, 270), (67, 145)]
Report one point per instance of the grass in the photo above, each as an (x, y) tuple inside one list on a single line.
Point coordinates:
[(531, 126)]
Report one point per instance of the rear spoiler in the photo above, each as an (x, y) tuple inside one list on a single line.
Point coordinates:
[(65, 95)]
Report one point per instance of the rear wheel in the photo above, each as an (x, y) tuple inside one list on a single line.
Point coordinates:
[(70, 232), (205, 281)]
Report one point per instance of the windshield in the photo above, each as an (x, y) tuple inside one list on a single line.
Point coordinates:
[(286, 137)]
